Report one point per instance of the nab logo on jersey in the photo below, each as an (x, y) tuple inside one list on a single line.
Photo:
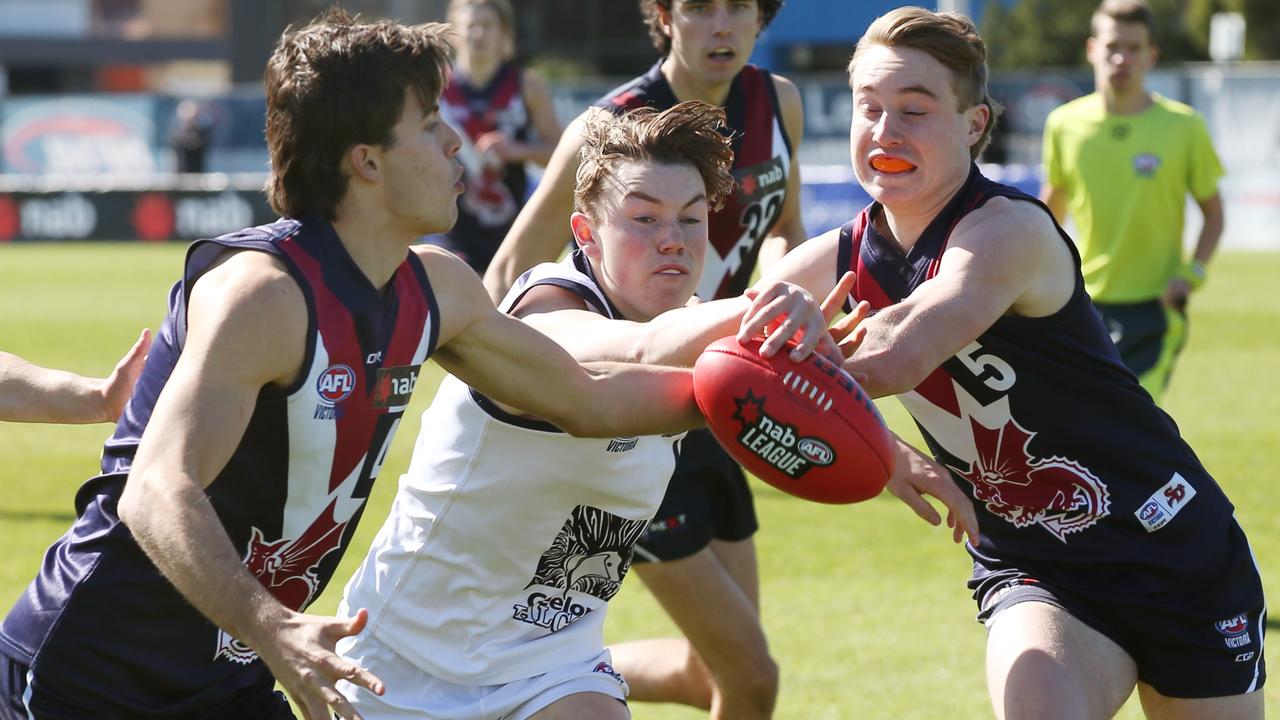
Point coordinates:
[(395, 385), (335, 384)]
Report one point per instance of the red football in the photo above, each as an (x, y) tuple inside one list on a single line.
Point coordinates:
[(805, 428)]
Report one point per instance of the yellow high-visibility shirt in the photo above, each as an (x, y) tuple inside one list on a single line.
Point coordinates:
[(1126, 179)]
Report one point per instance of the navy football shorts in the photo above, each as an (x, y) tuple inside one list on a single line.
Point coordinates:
[(261, 702), (1186, 644), (707, 498)]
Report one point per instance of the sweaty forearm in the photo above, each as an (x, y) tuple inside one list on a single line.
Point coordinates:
[(177, 528), (626, 399)]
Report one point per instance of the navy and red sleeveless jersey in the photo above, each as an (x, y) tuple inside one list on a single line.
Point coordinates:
[(761, 165), (493, 194), (1077, 476), (100, 628)]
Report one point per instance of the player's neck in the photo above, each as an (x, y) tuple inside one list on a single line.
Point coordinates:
[(904, 224), (1126, 102), (375, 244), (478, 71), (686, 85)]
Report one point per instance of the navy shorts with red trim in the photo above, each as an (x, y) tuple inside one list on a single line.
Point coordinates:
[(1186, 644)]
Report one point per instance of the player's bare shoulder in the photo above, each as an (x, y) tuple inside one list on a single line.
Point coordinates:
[(1019, 237), (250, 278), (248, 307), (460, 296)]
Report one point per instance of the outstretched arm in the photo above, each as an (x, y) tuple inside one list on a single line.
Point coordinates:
[(515, 365), (677, 337), (246, 328), (30, 393), (541, 230)]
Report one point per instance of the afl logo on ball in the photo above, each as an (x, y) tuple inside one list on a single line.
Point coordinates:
[(816, 451), (335, 384)]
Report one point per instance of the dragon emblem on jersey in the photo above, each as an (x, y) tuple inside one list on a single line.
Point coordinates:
[(289, 567), (1058, 494), (591, 555)]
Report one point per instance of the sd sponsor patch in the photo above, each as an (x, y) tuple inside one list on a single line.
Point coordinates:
[(1165, 503)]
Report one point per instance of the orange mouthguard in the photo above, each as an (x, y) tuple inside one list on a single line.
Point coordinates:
[(890, 164)]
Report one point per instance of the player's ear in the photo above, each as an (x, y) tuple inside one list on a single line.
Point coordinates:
[(584, 234), (979, 116), (363, 162)]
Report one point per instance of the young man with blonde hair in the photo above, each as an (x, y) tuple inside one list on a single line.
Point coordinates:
[(1109, 559)]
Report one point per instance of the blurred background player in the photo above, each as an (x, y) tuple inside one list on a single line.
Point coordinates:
[(1109, 558), (698, 557), (270, 397), (489, 582), (30, 393), (190, 136), (506, 118), (1121, 162)]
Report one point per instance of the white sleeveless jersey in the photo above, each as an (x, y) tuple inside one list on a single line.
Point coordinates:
[(507, 537)]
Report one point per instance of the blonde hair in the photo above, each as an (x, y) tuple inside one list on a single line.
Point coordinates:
[(952, 40)]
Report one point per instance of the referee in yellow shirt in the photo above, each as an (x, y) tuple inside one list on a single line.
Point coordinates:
[(1121, 161)]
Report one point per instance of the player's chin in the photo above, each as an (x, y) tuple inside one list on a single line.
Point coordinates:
[(889, 192), (669, 294)]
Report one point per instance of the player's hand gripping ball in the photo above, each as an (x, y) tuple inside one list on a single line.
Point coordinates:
[(805, 428)]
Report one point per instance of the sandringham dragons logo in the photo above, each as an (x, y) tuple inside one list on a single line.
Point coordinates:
[(1058, 494)]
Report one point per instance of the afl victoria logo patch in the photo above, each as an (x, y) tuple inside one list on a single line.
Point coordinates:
[(335, 384)]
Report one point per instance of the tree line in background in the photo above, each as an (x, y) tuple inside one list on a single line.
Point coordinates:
[(1051, 33)]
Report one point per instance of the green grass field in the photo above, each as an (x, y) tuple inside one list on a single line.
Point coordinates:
[(865, 605)]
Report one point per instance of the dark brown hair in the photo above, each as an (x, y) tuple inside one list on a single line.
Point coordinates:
[(689, 133), (652, 10), (337, 83), (952, 40), (1125, 11)]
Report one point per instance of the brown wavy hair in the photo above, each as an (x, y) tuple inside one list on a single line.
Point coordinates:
[(652, 11), (952, 40), (689, 133), (336, 83)]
